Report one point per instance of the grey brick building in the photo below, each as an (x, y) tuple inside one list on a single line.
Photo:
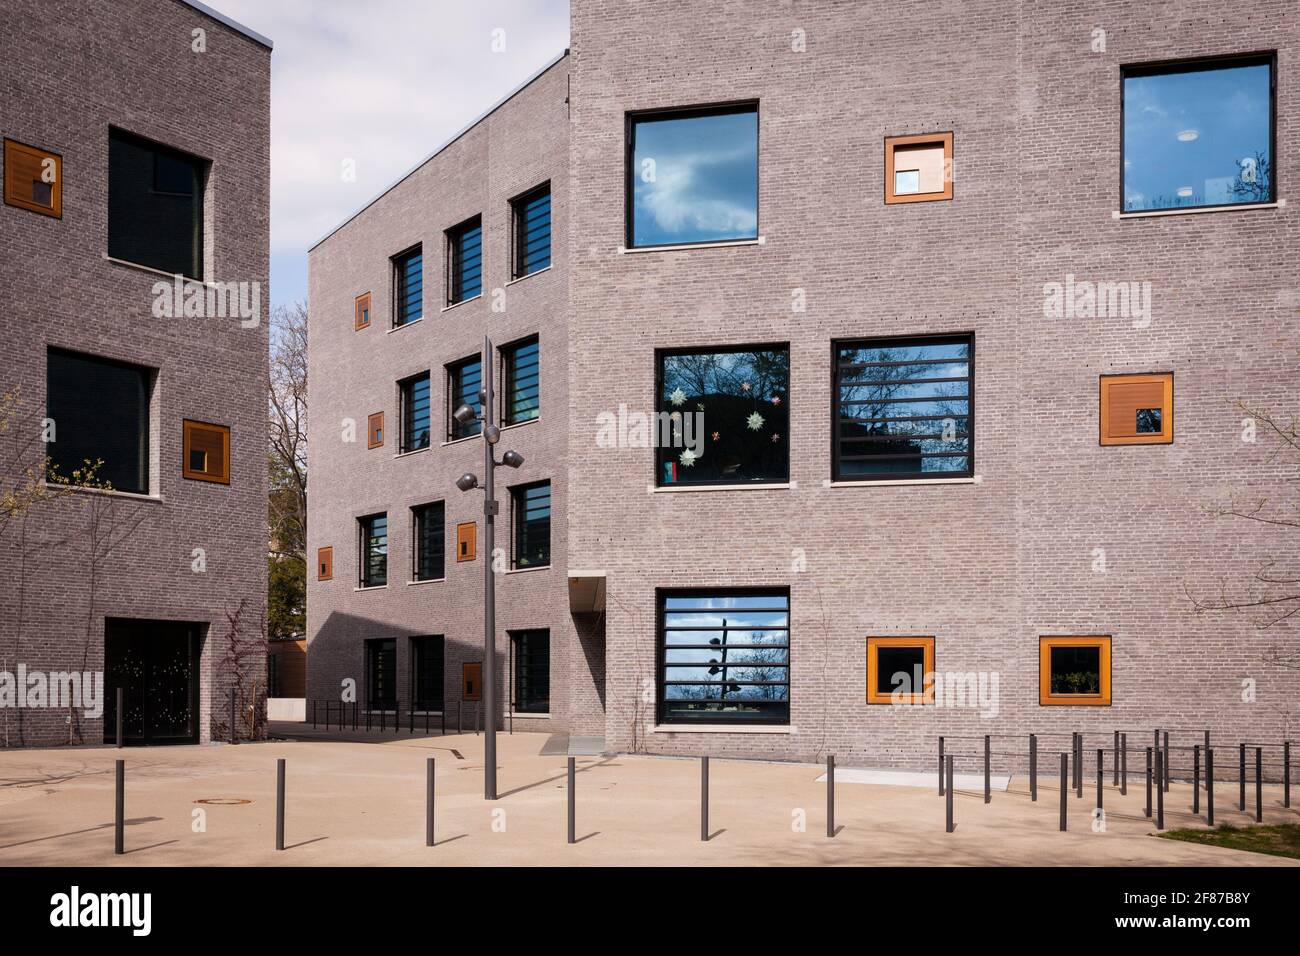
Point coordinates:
[(136, 148), (944, 313)]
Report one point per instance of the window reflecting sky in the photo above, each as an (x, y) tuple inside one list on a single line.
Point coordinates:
[(702, 183), (1197, 138)]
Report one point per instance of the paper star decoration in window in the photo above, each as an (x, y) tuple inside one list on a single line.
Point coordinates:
[(744, 386), (776, 399), (754, 421), (775, 437), (677, 397), (716, 435), (687, 458)]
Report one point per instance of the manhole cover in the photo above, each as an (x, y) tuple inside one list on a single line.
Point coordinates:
[(224, 801)]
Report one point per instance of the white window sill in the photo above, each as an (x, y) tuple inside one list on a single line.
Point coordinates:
[(978, 479), (373, 587), (1196, 210), (756, 486), (457, 305), (408, 454), (460, 441), (540, 567), (405, 325), (106, 492), (412, 584), (518, 716), (721, 729), (529, 276), (725, 244), (156, 272), (531, 421)]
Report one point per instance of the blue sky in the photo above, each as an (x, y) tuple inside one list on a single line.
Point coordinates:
[(382, 83)]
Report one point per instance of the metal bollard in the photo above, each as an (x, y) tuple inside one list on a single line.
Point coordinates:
[(1160, 793), (121, 707), (119, 818), (1115, 755), (830, 796), (1241, 772), (949, 825), (941, 766), (313, 714), (988, 788), (1033, 767), (1286, 773), (460, 727), (279, 804), (428, 802), (1078, 770), (573, 773), (1101, 754), (704, 799), (1165, 763), (1196, 778), (1259, 785), (234, 737), (1064, 789), (1209, 786), (1148, 809), (1123, 765)]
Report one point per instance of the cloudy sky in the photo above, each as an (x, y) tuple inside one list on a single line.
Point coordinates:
[(381, 82)]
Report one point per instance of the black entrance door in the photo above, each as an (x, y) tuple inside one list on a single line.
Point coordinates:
[(156, 663)]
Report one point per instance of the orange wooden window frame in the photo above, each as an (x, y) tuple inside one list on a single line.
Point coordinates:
[(874, 696), (466, 534), (17, 155), (936, 139), (1163, 437), (375, 423), (1045, 695), (474, 672), (325, 563), (221, 477), (361, 312)]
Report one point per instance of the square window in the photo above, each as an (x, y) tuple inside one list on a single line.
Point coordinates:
[(530, 664), (900, 670), (374, 550), (464, 379), (918, 168), (375, 430), (465, 261), (408, 287), (1074, 670), (532, 225), (361, 312), (33, 179), (1137, 409), (723, 416), (325, 564), (100, 411), (429, 554), (902, 408), (1198, 134), (155, 205), (416, 423), (532, 525), (207, 452), (521, 371), (692, 176), (724, 656)]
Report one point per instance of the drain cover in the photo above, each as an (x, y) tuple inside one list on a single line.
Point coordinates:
[(224, 801)]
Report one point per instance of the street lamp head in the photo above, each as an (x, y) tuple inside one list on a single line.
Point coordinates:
[(464, 415), (512, 459), (467, 482), (492, 434)]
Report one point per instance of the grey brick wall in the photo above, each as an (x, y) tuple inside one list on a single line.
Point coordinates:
[(71, 564)]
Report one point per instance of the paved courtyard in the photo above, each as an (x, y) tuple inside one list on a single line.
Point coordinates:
[(361, 802)]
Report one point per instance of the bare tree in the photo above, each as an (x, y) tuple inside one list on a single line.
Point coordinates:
[(287, 463)]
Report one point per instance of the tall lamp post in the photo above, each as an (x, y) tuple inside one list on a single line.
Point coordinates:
[(467, 482)]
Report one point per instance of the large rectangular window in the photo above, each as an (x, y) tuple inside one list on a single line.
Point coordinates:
[(903, 408), (521, 368), (430, 551), (381, 674), (465, 261), (374, 551), (531, 661), (100, 413), (692, 176), (464, 379), (408, 286), (415, 412), (532, 224), (1199, 133), (723, 416), (155, 205), (724, 656), (427, 672), (532, 525)]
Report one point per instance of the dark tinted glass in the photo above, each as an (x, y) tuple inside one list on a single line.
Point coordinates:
[(427, 672), (523, 382), (464, 380), (100, 412), (1148, 420), (429, 546), (465, 247), (409, 292), (415, 413), (381, 668), (893, 661), (374, 551), (155, 205), (533, 232), (532, 665), (532, 525), (1076, 670)]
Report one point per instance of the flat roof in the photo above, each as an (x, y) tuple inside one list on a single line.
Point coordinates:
[(233, 24), (406, 175)]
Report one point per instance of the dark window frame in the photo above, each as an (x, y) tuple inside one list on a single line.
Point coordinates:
[(878, 341), (518, 231), (417, 540), (507, 380), (632, 117), (424, 686), (405, 405), (519, 679), (397, 271), (518, 530), (455, 396), (455, 283), (1198, 65), (365, 533), (661, 354), (662, 595)]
